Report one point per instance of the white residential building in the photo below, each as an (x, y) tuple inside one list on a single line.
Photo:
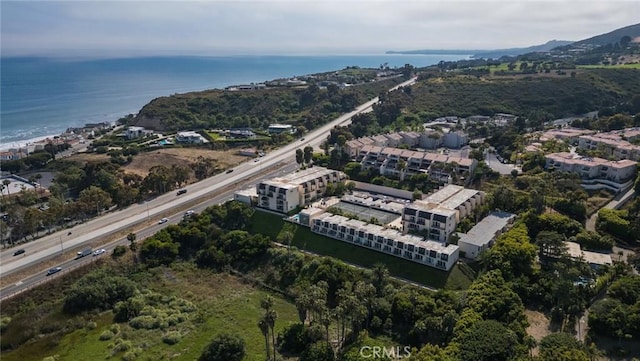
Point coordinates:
[(280, 128), (615, 143), (455, 140), (136, 132), (484, 233), (297, 189), (439, 213), (189, 137), (595, 172), (378, 238)]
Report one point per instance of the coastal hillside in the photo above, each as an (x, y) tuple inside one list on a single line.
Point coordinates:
[(632, 31), (306, 106), (557, 95)]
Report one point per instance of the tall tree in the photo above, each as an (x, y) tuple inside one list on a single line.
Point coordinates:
[(264, 328), (299, 156), (308, 155)]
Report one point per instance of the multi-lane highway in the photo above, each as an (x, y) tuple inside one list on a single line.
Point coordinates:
[(142, 219)]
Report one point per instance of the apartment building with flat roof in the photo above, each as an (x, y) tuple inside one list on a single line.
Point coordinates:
[(401, 163), (481, 237), (285, 194), (595, 172), (378, 238), (439, 213), (615, 143)]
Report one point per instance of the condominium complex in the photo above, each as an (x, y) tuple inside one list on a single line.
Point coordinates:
[(615, 143), (595, 172), (410, 247), (401, 163), (438, 214), (481, 237), (428, 139), (296, 189)]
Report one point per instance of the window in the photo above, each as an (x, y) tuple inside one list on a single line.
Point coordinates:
[(360, 233), (400, 245), (390, 242), (421, 250), (410, 247), (410, 212), (432, 254), (444, 257), (370, 236)]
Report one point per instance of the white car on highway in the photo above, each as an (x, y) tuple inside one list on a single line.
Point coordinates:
[(163, 220), (98, 252)]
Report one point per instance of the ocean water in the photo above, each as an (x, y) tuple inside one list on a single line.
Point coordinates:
[(44, 96)]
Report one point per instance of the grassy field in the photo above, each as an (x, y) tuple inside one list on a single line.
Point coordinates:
[(271, 225), (617, 66), (224, 304)]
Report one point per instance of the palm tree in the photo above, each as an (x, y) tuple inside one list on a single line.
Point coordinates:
[(6, 183), (131, 237), (271, 318), (264, 328), (380, 274)]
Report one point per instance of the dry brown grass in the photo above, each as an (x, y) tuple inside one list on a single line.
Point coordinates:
[(539, 326), (172, 156), (167, 157)]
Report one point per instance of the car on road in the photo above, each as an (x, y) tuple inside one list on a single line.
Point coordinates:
[(163, 220), (19, 252), (301, 139), (98, 252), (54, 270), (257, 160), (181, 191), (229, 171), (189, 213), (85, 252)]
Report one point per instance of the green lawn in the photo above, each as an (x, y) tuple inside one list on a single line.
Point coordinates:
[(271, 224), (225, 304)]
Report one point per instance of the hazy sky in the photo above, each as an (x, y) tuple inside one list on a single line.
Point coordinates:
[(298, 26)]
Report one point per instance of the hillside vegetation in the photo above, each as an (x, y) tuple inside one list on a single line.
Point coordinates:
[(560, 96), (307, 106)]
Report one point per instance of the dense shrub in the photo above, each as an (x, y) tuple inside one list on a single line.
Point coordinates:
[(97, 290), (171, 337), (594, 241), (106, 335)]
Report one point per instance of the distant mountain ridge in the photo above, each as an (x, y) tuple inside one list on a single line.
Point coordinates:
[(495, 54), (633, 31)]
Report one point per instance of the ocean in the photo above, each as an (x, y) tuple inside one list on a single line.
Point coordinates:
[(42, 97)]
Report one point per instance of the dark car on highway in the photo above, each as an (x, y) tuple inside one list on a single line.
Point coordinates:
[(230, 170), (181, 191), (54, 270), (19, 252)]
